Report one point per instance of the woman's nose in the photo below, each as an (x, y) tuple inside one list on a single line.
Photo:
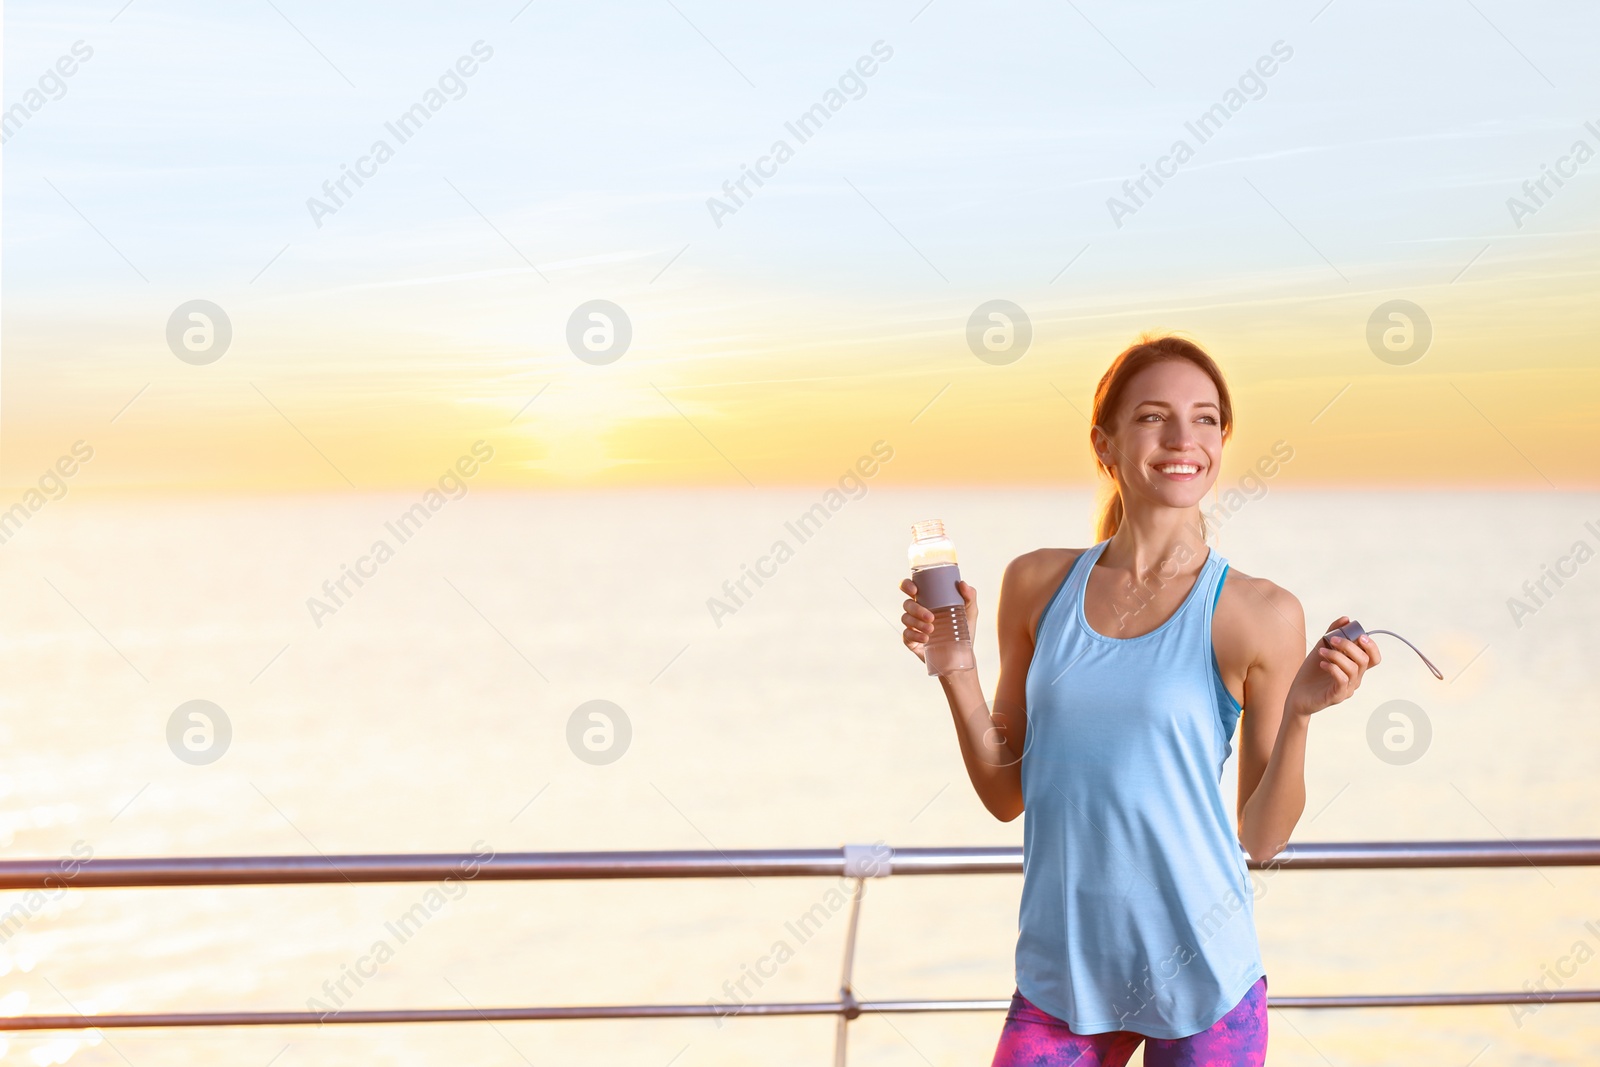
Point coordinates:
[(1178, 436)]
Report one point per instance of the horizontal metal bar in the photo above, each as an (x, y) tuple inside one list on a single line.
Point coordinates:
[(749, 863), (420, 867), (669, 1011), (1537, 852)]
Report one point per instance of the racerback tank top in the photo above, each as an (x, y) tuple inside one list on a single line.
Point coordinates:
[(1137, 911)]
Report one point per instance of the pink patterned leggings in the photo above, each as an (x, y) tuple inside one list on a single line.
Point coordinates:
[(1033, 1038)]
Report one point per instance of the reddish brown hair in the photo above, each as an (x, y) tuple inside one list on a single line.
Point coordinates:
[(1147, 351)]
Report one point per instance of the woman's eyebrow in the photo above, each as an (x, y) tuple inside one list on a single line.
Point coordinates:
[(1164, 404)]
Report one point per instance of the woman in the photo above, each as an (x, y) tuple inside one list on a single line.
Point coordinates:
[(1124, 669)]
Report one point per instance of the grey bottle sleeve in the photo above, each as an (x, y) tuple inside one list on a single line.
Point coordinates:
[(936, 586)]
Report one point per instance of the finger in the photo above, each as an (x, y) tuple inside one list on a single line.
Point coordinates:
[(1343, 653), (1367, 649), (1341, 678), (908, 587), (1336, 659), (914, 624), (1359, 652)]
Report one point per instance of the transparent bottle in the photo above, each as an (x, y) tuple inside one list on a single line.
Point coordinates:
[(934, 571)]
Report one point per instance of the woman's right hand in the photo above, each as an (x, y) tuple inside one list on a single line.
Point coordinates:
[(919, 620)]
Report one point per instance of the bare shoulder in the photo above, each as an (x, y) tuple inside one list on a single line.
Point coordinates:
[(1258, 595), (1040, 565), (1029, 581), (1258, 618)]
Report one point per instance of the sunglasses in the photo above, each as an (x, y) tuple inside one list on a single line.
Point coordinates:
[(1352, 630)]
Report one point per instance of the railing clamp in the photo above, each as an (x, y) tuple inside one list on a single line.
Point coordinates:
[(868, 861), (849, 1005)]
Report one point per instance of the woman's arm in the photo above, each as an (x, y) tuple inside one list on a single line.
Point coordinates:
[(991, 742), (1282, 692), (995, 769)]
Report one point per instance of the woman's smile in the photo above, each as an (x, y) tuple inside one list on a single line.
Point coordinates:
[(1178, 471)]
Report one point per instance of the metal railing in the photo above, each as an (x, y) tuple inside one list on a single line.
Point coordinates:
[(858, 862)]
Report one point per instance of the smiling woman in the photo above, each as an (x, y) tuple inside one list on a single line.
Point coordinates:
[(1111, 730)]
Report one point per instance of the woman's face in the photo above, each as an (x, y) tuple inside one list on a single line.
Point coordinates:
[(1165, 442)]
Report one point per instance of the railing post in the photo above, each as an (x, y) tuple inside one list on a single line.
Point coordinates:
[(847, 999), (860, 863)]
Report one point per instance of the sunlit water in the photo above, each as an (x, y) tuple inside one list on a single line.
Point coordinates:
[(429, 712)]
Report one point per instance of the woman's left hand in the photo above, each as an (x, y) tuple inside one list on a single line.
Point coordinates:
[(1330, 675)]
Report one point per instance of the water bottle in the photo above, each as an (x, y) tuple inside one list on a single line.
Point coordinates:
[(934, 570)]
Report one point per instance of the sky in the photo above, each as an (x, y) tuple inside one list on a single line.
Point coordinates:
[(1357, 155)]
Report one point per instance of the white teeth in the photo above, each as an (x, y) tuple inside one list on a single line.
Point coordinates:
[(1178, 468)]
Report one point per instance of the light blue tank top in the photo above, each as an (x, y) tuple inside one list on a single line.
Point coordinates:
[(1137, 911)]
